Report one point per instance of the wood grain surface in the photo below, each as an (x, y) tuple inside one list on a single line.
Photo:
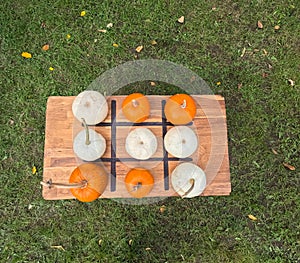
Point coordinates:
[(211, 156)]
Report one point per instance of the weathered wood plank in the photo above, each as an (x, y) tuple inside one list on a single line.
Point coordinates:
[(212, 153)]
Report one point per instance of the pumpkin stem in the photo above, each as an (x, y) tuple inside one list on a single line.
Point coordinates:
[(137, 186), (192, 181), (87, 134), (135, 103), (50, 184), (183, 105)]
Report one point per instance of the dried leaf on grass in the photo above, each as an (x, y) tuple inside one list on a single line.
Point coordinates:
[(58, 247), (252, 217), (181, 20), (274, 151), (277, 27), (193, 78), (162, 209), (289, 166), (153, 42), (243, 52), (102, 30), (265, 52), (110, 25), (259, 24), (139, 49), (45, 47)]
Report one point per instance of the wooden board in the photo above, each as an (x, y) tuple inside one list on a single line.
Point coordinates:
[(211, 156)]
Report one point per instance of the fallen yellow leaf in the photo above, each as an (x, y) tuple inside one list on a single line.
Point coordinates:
[(162, 209), (26, 55), (218, 83), (181, 20), (252, 217), (130, 242), (45, 47), (152, 83), (58, 247), (259, 24), (115, 45), (288, 166), (51, 68), (68, 36), (83, 13), (139, 49), (33, 170), (153, 42)]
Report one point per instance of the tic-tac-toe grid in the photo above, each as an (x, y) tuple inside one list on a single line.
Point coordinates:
[(209, 124), (164, 158)]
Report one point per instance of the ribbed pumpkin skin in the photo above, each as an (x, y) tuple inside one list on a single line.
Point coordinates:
[(96, 178), (136, 176), (139, 113), (178, 115)]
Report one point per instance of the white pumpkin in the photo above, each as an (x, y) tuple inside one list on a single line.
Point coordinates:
[(91, 106), (188, 180), (141, 143), (181, 141), (89, 151)]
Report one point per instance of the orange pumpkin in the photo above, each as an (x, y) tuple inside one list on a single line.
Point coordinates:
[(96, 179), (180, 109), (87, 182), (136, 107), (139, 182)]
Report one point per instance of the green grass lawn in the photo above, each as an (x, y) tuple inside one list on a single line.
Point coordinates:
[(221, 42)]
